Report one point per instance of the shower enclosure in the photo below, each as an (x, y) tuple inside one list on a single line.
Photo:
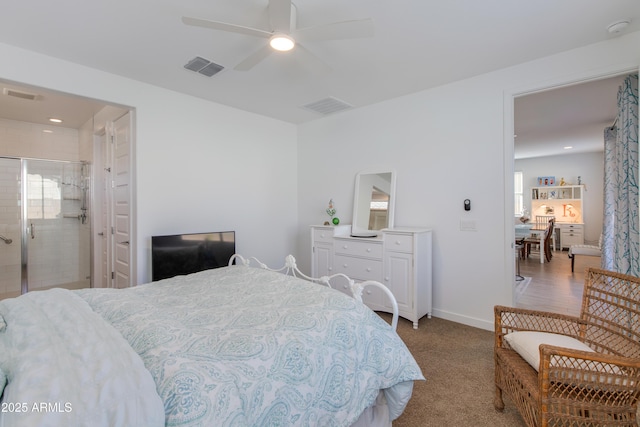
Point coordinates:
[(45, 231)]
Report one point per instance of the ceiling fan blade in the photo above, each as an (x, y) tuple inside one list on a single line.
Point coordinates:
[(253, 59), (280, 15), (223, 26), (354, 29), (315, 62)]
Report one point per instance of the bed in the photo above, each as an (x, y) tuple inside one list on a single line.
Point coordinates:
[(233, 346)]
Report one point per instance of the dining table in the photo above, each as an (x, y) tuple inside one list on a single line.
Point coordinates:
[(524, 231)]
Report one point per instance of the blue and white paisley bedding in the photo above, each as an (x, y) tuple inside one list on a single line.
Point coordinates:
[(242, 346)]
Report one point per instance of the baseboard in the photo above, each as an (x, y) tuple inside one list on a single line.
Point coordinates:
[(465, 320)]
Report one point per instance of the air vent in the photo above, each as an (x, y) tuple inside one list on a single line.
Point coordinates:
[(327, 106), (203, 66), (21, 95)]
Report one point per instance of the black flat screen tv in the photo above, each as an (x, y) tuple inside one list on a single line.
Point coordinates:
[(181, 254)]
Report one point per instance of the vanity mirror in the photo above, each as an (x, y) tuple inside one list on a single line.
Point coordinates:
[(373, 202)]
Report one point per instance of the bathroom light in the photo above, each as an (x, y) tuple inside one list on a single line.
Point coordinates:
[(568, 147), (282, 42), (54, 120)]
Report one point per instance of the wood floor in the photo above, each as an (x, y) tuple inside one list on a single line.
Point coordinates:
[(553, 287)]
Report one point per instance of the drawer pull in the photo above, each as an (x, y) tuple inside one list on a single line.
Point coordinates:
[(368, 269), (368, 249), (368, 291), (345, 265), (344, 247), (386, 279), (398, 242)]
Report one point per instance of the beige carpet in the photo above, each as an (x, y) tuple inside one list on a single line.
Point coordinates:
[(457, 362)]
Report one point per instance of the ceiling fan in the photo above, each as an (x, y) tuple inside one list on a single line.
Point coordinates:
[(284, 34)]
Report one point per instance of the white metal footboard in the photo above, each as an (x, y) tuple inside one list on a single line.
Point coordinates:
[(291, 268)]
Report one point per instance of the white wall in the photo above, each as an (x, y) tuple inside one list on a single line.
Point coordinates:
[(447, 144), (205, 166), (199, 166), (588, 166)]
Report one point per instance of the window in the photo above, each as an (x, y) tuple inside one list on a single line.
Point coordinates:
[(518, 194)]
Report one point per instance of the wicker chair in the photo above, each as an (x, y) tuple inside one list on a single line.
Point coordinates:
[(596, 386)]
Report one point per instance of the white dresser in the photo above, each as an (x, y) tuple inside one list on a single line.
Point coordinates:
[(400, 258)]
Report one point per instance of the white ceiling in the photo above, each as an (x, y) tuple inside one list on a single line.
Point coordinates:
[(546, 123), (417, 45)]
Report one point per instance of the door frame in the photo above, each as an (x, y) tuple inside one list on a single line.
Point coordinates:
[(103, 173)]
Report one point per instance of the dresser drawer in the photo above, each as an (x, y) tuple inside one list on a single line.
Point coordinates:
[(398, 242), (323, 235), (358, 268), (571, 227), (358, 248)]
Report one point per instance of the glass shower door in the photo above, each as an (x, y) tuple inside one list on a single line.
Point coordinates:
[(57, 232)]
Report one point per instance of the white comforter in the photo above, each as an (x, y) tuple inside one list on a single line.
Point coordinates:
[(66, 366)]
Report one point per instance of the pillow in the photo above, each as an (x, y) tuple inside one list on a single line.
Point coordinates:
[(527, 344)]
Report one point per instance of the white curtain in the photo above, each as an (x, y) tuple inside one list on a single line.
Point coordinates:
[(620, 245)]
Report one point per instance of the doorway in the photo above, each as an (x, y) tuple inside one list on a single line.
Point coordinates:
[(46, 235), (561, 136), (89, 128)]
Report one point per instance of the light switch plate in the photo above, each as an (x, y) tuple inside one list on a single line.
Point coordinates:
[(468, 225)]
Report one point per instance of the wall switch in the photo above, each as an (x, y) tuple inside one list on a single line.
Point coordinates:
[(468, 225)]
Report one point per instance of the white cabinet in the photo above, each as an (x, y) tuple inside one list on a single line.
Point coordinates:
[(400, 258), (564, 202), (571, 234)]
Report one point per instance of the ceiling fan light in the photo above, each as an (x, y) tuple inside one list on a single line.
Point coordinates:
[(282, 42)]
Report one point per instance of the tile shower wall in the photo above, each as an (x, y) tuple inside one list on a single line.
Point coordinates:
[(10, 227), (22, 139)]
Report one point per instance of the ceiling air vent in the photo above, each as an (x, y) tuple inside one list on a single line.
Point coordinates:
[(327, 106), (19, 94), (203, 66)]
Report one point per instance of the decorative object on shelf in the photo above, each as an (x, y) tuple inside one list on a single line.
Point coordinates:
[(568, 211), (331, 211), (525, 217), (562, 182), (546, 180)]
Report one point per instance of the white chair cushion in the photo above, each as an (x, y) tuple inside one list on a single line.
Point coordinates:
[(585, 250), (527, 344)]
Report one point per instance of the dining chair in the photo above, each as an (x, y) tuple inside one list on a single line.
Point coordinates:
[(546, 245), (542, 221)]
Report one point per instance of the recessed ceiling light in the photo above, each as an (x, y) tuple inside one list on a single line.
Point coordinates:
[(47, 131), (568, 147), (54, 120)]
